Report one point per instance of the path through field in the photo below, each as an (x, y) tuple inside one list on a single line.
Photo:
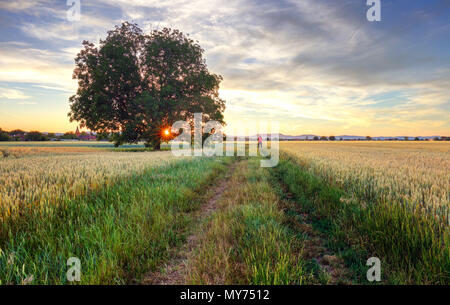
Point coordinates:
[(174, 272), (148, 218), (249, 231)]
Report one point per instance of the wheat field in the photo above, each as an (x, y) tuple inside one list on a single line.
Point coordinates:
[(118, 211), (414, 172), (123, 211), (38, 177)]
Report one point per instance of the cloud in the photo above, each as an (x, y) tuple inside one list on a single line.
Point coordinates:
[(313, 61), (30, 65), (27, 103), (12, 94), (20, 6)]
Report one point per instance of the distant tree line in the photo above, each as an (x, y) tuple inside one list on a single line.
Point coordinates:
[(20, 135), (368, 138)]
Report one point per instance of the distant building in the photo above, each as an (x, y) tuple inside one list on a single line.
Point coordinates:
[(85, 137)]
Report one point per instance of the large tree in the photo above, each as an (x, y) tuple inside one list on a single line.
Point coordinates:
[(135, 85)]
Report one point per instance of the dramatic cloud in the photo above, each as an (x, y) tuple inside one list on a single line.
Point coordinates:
[(313, 65)]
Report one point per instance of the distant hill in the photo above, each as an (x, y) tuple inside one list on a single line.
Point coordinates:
[(350, 137)]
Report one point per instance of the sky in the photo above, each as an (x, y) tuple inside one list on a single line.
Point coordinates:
[(312, 66)]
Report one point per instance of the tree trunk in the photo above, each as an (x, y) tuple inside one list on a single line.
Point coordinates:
[(156, 143)]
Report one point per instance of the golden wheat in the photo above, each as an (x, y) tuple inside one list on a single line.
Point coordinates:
[(413, 172), (35, 180), (36, 150)]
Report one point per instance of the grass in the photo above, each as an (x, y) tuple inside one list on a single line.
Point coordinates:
[(118, 231), (39, 182), (412, 244), (126, 212), (245, 241), (406, 171)]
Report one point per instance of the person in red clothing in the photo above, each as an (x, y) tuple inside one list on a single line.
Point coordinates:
[(259, 142)]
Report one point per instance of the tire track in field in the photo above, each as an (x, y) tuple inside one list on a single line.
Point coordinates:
[(175, 271), (330, 268)]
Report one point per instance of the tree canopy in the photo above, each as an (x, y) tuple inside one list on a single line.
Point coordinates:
[(4, 135), (35, 136), (135, 85)]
